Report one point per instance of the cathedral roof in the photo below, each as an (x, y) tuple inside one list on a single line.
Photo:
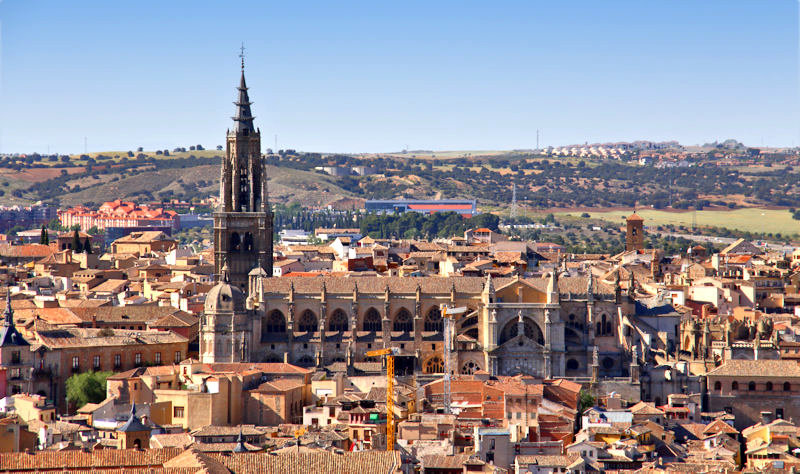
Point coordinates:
[(408, 285)]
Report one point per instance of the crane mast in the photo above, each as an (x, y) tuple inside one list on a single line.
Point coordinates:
[(389, 354), (448, 328)]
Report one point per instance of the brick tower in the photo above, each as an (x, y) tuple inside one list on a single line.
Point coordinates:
[(634, 234)]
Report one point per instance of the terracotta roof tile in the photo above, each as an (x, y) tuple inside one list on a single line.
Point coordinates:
[(757, 368), (365, 462), (79, 460)]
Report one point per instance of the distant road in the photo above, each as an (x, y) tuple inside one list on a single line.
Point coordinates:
[(724, 240)]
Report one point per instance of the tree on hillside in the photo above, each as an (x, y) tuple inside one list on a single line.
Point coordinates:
[(44, 239), (88, 387)]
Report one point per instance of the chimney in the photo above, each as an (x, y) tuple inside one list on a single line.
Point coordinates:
[(766, 417)]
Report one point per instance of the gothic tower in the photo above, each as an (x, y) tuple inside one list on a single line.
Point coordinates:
[(243, 221)]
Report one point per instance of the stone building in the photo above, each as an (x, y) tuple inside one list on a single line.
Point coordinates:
[(15, 354), (755, 389), (62, 352), (546, 326)]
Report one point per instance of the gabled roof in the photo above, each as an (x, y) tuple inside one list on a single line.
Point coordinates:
[(741, 246), (719, 426)]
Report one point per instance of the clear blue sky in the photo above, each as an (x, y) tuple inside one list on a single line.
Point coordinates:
[(377, 76)]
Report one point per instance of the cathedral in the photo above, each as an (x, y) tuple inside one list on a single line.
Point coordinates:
[(550, 326)]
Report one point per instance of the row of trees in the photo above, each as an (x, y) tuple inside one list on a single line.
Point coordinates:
[(412, 225)]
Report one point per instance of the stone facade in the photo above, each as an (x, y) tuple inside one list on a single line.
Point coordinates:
[(511, 325)]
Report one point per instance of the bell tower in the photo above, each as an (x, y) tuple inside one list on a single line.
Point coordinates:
[(243, 221), (634, 232)]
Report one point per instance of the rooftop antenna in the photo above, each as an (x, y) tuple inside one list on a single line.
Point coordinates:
[(85, 145), (537, 139)]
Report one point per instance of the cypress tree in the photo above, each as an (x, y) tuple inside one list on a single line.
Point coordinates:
[(44, 239), (87, 246), (76, 242)]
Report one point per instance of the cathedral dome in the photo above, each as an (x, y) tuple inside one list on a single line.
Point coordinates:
[(224, 297)]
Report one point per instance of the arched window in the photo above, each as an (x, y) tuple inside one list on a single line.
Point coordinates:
[(273, 358), (338, 321), (305, 361), (433, 322), (403, 321), (470, 368), (372, 321), (532, 331), (275, 322), (751, 387), (604, 325), (235, 242), (573, 364), (787, 386), (248, 242), (308, 322), (608, 363), (434, 365), (769, 386), (735, 386), (718, 385)]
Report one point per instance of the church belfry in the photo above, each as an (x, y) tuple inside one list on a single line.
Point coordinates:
[(243, 221)]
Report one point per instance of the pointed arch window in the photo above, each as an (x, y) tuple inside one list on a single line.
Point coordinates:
[(433, 321), (235, 243), (403, 321), (338, 321), (308, 321), (372, 321), (248, 242), (434, 365), (274, 323)]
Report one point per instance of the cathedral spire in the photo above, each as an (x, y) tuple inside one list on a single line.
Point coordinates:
[(243, 117)]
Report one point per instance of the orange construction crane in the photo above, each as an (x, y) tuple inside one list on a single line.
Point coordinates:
[(389, 353)]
